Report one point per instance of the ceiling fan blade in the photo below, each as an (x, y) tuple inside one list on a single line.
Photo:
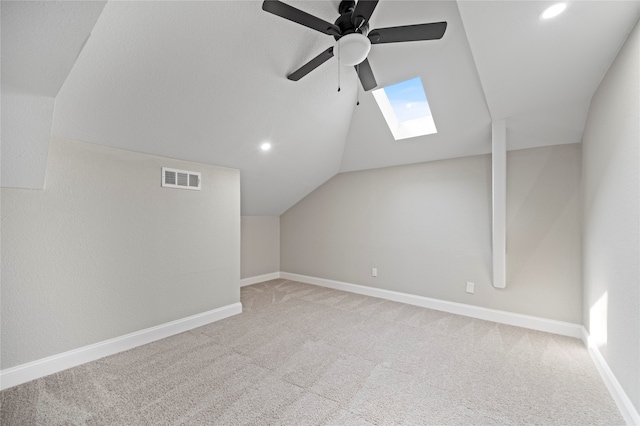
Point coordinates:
[(363, 11), (432, 31), (303, 18), (366, 75), (311, 65)]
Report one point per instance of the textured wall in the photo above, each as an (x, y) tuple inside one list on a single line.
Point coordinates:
[(544, 256), (260, 247), (26, 130), (612, 217), (427, 227), (104, 250)]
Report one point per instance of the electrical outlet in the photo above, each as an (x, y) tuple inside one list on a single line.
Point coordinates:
[(374, 272), (470, 287)]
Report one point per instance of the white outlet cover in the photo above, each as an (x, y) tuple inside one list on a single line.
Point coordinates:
[(470, 287)]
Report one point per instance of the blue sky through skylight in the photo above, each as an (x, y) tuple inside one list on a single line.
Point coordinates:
[(405, 108), (408, 100)]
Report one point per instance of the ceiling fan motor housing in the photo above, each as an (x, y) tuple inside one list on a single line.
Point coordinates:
[(345, 20), (346, 6)]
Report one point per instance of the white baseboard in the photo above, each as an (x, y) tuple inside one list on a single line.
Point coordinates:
[(503, 317), (23, 373), (259, 279), (623, 402), (43, 367), (628, 411)]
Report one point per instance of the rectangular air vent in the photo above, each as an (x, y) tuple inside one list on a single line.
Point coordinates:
[(173, 178)]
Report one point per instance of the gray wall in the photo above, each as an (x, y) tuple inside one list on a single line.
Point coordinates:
[(426, 228), (104, 250), (260, 247), (611, 190)]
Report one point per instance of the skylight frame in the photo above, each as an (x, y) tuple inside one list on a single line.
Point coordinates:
[(422, 126)]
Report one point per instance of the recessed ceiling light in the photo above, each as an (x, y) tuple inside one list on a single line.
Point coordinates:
[(553, 10), (265, 146)]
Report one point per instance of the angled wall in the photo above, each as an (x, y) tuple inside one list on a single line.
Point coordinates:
[(611, 188), (260, 246), (104, 250), (40, 41), (427, 229)]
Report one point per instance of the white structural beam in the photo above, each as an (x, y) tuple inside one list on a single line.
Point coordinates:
[(499, 191)]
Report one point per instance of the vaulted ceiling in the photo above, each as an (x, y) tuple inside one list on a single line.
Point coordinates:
[(206, 81)]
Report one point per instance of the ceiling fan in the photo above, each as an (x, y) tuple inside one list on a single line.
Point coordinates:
[(353, 38)]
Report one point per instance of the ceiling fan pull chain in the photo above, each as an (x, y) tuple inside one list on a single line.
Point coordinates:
[(338, 66), (357, 85)]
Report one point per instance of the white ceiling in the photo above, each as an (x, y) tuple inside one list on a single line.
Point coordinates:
[(206, 81), (541, 75), (40, 43), (451, 83)]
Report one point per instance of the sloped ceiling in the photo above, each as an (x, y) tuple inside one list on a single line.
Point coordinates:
[(206, 81), (540, 75), (451, 83), (40, 43)]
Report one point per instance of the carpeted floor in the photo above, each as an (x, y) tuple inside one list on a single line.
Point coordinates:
[(306, 355)]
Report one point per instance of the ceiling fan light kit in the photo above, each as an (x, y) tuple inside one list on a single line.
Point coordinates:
[(353, 49), (353, 39)]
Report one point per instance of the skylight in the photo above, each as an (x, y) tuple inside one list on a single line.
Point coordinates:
[(404, 105)]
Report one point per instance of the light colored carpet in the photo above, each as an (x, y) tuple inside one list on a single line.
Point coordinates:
[(306, 355)]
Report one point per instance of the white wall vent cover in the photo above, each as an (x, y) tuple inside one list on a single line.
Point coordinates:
[(173, 178)]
